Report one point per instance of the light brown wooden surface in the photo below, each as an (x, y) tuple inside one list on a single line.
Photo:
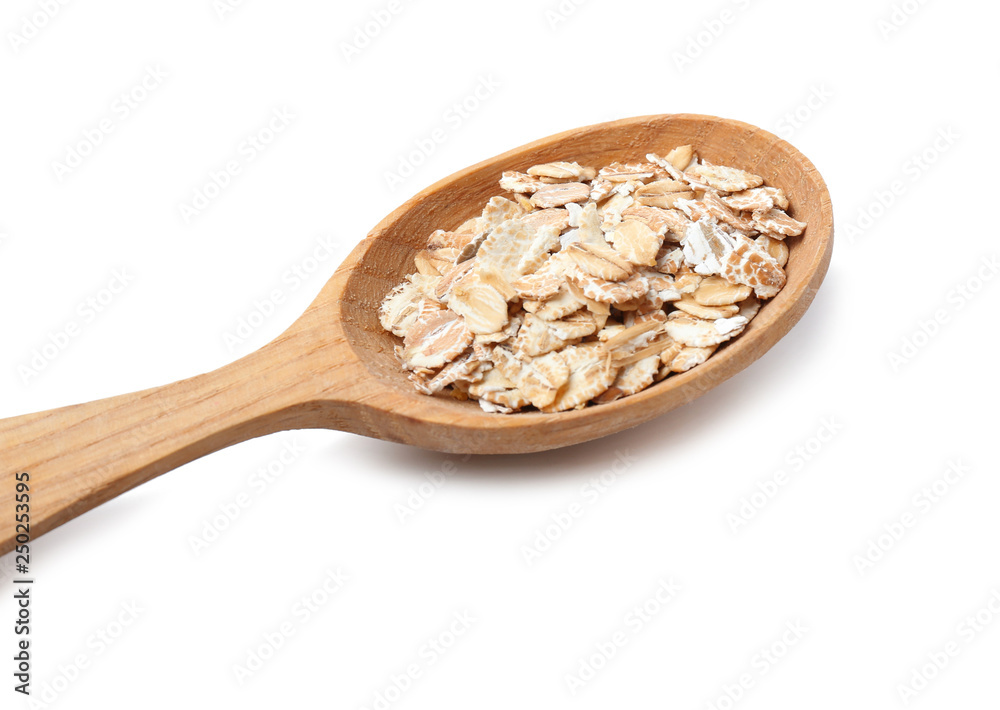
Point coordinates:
[(335, 367)]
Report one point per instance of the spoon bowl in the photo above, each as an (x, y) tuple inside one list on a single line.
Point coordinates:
[(383, 259), (335, 367)]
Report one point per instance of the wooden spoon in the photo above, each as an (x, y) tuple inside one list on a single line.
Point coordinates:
[(335, 367)]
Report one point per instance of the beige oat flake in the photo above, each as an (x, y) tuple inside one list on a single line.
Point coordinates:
[(560, 194), (562, 171), (727, 179)]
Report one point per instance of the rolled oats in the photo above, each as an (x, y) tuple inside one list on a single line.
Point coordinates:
[(681, 156), (689, 358), (726, 179), (588, 285), (482, 306), (566, 301), (600, 261), (562, 171), (436, 340), (636, 242), (621, 172), (700, 333), (689, 305), (591, 373), (559, 194), (716, 291), (777, 224), (755, 200), (516, 182), (775, 247), (631, 379)]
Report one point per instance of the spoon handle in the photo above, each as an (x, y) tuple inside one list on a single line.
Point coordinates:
[(80, 456)]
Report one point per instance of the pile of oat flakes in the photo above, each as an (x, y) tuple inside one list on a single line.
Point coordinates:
[(590, 285)]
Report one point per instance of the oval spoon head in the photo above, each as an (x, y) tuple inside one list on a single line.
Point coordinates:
[(363, 389)]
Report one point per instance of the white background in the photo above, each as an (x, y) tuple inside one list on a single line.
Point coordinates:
[(871, 99)]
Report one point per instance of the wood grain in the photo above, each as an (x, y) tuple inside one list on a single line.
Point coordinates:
[(335, 367)]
